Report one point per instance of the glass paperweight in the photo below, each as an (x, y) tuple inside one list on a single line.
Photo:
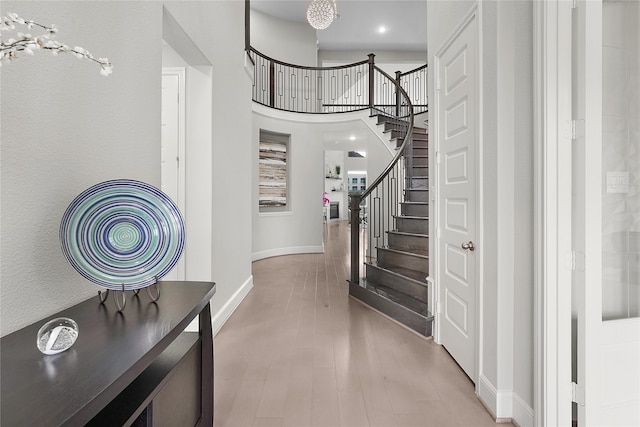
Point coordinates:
[(57, 335)]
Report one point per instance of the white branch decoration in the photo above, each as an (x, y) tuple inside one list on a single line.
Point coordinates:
[(29, 44)]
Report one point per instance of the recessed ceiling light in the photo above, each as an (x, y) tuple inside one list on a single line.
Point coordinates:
[(382, 29), (352, 138)]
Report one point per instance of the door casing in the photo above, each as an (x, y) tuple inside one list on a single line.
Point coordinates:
[(178, 273)]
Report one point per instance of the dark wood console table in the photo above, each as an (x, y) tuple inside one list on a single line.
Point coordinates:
[(137, 367)]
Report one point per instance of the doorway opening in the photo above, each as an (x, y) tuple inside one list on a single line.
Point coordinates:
[(187, 167)]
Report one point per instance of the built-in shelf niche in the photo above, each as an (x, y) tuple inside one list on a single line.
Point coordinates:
[(334, 171)]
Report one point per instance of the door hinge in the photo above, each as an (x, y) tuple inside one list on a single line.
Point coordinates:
[(574, 4), (437, 232), (438, 307), (575, 129), (438, 83), (437, 157), (577, 261), (577, 394)]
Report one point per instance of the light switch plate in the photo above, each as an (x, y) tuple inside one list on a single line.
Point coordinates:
[(618, 182)]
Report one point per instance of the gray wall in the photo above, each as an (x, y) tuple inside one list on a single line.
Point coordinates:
[(65, 127), (522, 138), (621, 153), (292, 42)]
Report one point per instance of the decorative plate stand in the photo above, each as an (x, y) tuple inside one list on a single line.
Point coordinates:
[(123, 235)]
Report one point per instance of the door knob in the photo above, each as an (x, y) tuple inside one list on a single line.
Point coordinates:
[(469, 246)]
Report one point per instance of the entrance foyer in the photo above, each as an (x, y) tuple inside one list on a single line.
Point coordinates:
[(299, 352)]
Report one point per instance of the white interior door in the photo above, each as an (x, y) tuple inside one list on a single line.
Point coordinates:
[(457, 139), (172, 146), (606, 212)]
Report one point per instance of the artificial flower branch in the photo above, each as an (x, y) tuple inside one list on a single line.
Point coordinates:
[(29, 44)]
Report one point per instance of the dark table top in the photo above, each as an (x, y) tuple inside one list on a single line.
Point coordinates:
[(112, 349)]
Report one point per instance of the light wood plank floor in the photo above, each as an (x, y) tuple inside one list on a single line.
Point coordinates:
[(299, 352)]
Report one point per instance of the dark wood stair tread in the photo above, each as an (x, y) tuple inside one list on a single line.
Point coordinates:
[(407, 233), (417, 276), (401, 252), (411, 217), (400, 298)]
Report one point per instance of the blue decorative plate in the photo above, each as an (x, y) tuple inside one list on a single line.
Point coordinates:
[(122, 232)]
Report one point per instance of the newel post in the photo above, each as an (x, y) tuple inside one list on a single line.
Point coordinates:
[(371, 81), (247, 25), (355, 237), (398, 98)]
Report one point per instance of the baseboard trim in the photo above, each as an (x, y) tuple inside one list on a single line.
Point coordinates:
[(504, 406), (294, 250), (220, 318), (488, 395), (522, 413), (497, 402)]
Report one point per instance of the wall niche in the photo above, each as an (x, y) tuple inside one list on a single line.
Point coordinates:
[(273, 172)]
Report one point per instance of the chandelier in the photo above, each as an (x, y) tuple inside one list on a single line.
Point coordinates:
[(321, 13)]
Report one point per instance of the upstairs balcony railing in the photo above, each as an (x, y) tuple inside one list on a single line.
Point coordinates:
[(322, 90)]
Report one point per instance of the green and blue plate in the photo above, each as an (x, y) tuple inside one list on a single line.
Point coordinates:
[(122, 232)]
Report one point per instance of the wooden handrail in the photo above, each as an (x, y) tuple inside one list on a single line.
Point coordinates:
[(402, 148), (306, 67), (415, 70)]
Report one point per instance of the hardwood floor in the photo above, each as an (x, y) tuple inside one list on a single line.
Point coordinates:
[(299, 352)]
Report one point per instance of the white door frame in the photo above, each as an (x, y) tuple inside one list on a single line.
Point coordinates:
[(180, 72), (590, 338), (608, 350), (552, 205), (473, 13)]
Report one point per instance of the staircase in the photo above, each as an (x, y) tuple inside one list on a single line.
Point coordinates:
[(389, 243), (396, 279)]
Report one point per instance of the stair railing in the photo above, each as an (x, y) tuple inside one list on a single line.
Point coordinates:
[(373, 212), (414, 83), (303, 89), (339, 89)]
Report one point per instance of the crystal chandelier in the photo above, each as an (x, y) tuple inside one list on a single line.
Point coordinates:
[(321, 13)]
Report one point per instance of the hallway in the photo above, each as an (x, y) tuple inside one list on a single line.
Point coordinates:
[(299, 352)]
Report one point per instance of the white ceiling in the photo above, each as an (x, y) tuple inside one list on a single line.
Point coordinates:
[(356, 27)]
